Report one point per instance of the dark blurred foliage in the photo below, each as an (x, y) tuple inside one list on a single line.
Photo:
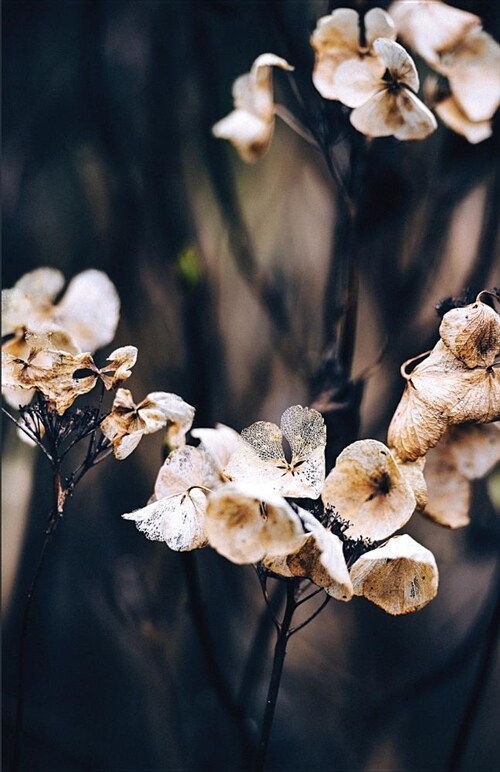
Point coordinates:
[(108, 162)]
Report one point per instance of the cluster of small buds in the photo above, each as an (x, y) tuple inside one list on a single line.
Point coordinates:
[(359, 64)]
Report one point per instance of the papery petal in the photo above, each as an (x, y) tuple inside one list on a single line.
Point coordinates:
[(121, 360), (378, 24), (400, 577), (413, 472), (379, 117), (253, 91), (449, 491), (123, 444), (472, 334), (322, 558), (473, 70), (337, 33), (17, 310), (475, 449), (449, 111), (430, 26), (244, 525), (418, 121), (357, 80), (179, 520), (481, 400), (90, 310), (398, 61), (220, 444), (250, 135), (366, 488), (183, 469), (41, 286), (246, 465)]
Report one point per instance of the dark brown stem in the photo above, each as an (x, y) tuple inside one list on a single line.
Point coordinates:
[(277, 670)]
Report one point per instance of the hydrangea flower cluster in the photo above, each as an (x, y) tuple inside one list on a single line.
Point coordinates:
[(359, 64)]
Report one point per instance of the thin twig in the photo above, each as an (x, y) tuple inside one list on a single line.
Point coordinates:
[(28, 434), (310, 619)]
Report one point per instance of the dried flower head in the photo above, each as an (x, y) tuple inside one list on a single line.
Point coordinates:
[(219, 444), (385, 105), (246, 522), (367, 488), (87, 313), (177, 513), (128, 421), (336, 40), (261, 455), (400, 577), (250, 126), (465, 453), (472, 333)]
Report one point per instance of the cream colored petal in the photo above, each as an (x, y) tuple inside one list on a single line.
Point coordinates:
[(220, 444), (449, 492), (323, 560), (475, 449), (378, 24), (379, 117), (178, 414), (481, 400), (17, 310), (473, 70), (398, 61), (17, 397), (41, 285), (418, 121), (278, 564), (245, 465), (179, 521), (89, 310), (183, 469), (266, 440), (455, 119), (366, 488), (125, 444), (253, 91), (337, 33), (472, 334), (305, 430), (400, 577), (250, 135), (413, 472), (357, 80), (123, 401), (244, 525), (121, 360), (430, 26)]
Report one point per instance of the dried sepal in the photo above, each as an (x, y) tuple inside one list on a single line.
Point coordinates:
[(336, 40), (472, 334), (413, 472), (452, 115), (128, 421), (219, 443), (244, 524), (400, 577), (367, 489), (177, 513), (250, 126), (261, 456), (431, 26), (465, 453), (121, 360)]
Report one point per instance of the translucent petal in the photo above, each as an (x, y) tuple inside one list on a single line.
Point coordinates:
[(398, 61), (400, 577), (41, 285), (250, 135), (178, 521), (475, 449), (322, 559), (305, 430), (254, 90), (356, 80), (481, 400), (183, 469), (220, 444), (89, 310), (418, 121), (245, 465), (119, 369), (378, 24), (449, 491), (244, 524), (430, 27), (473, 70), (337, 33), (379, 117), (17, 310), (455, 119), (366, 488), (472, 334), (413, 472)]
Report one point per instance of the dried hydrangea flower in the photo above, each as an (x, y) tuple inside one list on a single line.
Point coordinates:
[(250, 126), (465, 453), (441, 390), (472, 333), (367, 488), (219, 444), (385, 105), (177, 513), (431, 26), (128, 421), (261, 456), (452, 115), (88, 312), (320, 558), (336, 39), (244, 524), (400, 577)]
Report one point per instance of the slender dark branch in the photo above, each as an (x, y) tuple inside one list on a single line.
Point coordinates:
[(311, 595), (480, 680), (265, 595), (29, 434), (310, 619), (277, 670)]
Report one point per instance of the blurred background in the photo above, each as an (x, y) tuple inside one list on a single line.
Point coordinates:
[(225, 276)]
